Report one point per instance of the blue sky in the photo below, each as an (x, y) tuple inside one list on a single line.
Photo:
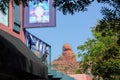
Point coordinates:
[(73, 29)]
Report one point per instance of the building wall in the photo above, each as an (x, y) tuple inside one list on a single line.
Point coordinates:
[(9, 28)]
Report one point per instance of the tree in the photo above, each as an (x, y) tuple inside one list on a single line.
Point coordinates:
[(4, 4), (66, 6), (104, 50), (101, 54), (72, 6), (113, 12)]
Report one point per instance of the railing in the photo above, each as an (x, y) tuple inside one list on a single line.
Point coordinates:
[(40, 48)]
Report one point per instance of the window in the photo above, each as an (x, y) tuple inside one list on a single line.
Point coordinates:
[(16, 16), (4, 17)]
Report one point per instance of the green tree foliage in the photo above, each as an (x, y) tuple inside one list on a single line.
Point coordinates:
[(4, 4), (113, 12), (72, 6), (111, 15), (101, 54)]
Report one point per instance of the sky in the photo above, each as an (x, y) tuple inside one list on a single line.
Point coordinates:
[(72, 29)]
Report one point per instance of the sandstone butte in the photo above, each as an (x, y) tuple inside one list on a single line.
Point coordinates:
[(66, 63)]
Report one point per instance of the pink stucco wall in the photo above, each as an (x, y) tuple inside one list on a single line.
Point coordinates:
[(9, 28), (81, 77)]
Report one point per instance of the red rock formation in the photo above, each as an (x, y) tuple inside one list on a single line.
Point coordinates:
[(66, 63), (68, 53)]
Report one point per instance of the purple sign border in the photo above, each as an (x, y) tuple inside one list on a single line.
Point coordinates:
[(52, 22)]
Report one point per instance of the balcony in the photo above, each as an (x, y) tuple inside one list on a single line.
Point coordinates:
[(43, 51), (40, 48)]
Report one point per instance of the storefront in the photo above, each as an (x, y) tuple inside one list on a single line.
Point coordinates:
[(17, 62)]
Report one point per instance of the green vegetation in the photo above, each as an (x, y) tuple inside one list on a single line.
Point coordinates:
[(72, 6), (4, 4), (101, 55)]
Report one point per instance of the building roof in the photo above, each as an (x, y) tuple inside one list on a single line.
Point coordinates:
[(81, 77), (18, 56)]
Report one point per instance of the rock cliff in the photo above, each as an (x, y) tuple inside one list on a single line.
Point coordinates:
[(66, 63)]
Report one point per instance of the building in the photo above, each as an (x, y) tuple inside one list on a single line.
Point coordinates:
[(17, 62), (81, 76)]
